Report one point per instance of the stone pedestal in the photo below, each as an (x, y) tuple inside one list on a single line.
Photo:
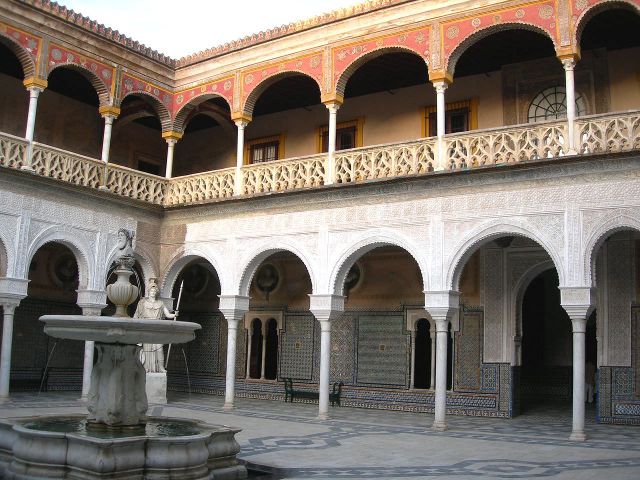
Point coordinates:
[(156, 387)]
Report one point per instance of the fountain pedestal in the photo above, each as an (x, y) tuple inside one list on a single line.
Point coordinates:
[(156, 387), (117, 395)]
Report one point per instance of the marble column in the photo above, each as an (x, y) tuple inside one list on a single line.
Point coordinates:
[(264, 350), (8, 308), (569, 65), (109, 114), (579, 325), (233, 307), (241, 124), (325, 308), (441, 109), (171, 144), (35, 86), (432, 336), (577, 302), (442, 328), (412, 382), (249, 341), (91, 302), (441, 305), (333, 108)]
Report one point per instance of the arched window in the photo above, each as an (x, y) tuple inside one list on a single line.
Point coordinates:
[(551, 103)]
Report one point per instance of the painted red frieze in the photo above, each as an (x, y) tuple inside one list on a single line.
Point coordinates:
[(541, 15), (580, 7), (131, 84), (310, 65), (414, 40), (63, 56), (29, 42), (222, 88)]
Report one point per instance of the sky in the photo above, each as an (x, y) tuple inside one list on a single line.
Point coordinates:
[(197, 24)]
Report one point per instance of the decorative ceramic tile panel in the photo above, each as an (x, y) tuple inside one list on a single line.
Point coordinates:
[(468, 352), (297, 347), (343, 349), (383, 351)]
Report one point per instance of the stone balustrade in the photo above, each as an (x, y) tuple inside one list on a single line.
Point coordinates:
[(595, 134)]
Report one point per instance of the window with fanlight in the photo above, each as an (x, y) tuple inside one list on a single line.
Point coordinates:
[(551, 104)]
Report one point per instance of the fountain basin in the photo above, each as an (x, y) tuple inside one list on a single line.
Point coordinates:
[(128, 331), (59, 446)]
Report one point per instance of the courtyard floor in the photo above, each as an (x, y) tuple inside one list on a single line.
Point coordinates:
[(287, 440)]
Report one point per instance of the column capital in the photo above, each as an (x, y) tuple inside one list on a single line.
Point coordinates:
[(35, 83), (13, 288), (568, 54), (233, 307), (578, 302), (172, 136), (441, 305), (326, 307), (92, 300), (332, 99), (440, 77), (109, 111), (240, 117)]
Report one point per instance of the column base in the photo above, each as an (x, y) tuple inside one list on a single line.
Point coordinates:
[(26, 168), (4, 399), (439, 426), (228, 406), (104, 188), (323, 416), (572, 151), (578, 436)]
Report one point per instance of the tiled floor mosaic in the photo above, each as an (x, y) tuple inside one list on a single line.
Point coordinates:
[(288, 441)]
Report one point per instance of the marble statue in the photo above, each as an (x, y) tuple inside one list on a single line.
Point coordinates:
[(151, 307), (124, 254)]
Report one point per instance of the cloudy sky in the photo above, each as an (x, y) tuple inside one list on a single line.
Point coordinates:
[(194, 25)]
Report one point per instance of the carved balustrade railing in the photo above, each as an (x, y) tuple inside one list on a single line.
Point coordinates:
[(201, 187), (385, 161), (615, 132), (135, 184), (282, 175), (12, 150), (66, 166), (506, 145)]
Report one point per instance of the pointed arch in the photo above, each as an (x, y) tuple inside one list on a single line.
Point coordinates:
[(265, 83), (592, 244), (363, 245), (159, 108), (341, 82), (481, 33), (24, 57), (591, 11), (491, 231), (259, 254), (104, 95), (74, 241)]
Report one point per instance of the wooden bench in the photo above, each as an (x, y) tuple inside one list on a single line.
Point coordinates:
[(290, 392)]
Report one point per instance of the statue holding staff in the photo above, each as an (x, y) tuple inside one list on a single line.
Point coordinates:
[(151, 307)]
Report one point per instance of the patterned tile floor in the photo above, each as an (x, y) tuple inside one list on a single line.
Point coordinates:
[(288, 441)]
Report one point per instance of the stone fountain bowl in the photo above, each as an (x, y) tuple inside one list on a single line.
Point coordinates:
[(128, 331)]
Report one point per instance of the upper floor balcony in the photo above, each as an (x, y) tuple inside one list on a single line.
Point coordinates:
[(376, 108), (595, 134)]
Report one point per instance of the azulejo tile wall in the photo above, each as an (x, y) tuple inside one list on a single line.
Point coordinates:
[(32, 347), (619, 387), (370, 353)]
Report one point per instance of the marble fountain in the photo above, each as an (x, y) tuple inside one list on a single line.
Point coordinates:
[(117, 440)]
